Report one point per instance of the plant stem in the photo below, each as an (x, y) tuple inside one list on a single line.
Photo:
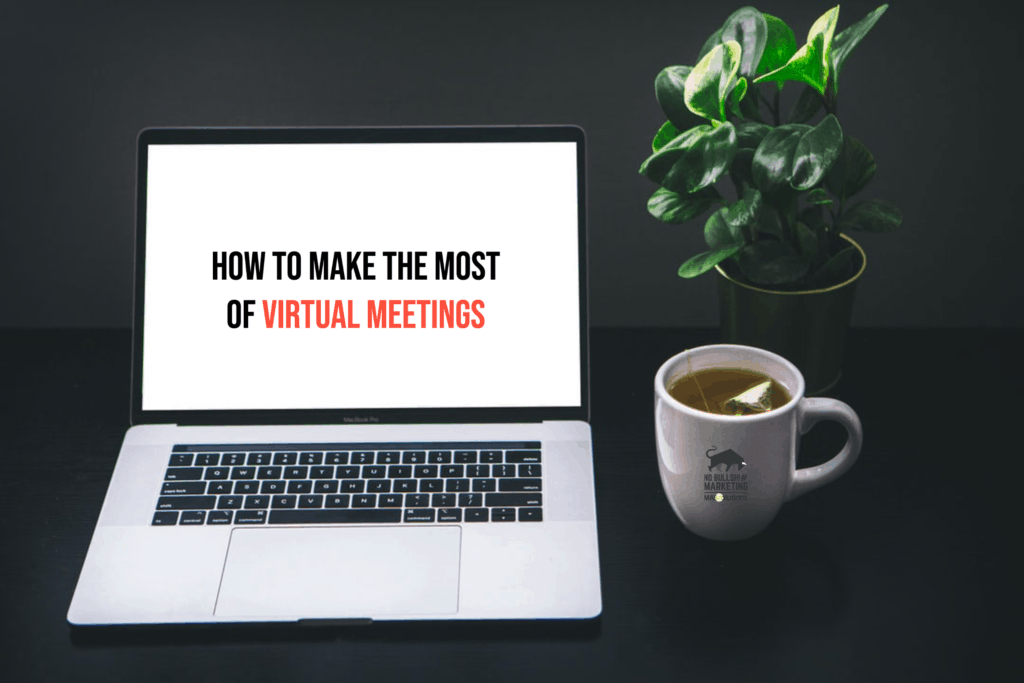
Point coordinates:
[(775, 108)]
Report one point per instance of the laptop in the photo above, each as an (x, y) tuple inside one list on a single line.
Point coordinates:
[(359, 382)]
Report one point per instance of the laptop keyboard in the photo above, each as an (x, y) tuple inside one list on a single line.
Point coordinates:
[(364, 483)]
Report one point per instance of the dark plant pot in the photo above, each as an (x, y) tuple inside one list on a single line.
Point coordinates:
[(808, 328)]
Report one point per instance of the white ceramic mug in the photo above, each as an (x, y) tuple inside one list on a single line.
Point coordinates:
[(727, 476)]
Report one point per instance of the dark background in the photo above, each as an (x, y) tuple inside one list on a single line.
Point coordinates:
[(930, 91)]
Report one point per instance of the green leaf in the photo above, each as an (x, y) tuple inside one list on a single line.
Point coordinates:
[(693, 160), (748, 28), (702, 263), (736, 96), (807, 105), (671, 207), (816, 152), (772, 166), (750, 134), (768, 262), (768, 222), (813, 217), (669, 89), (852, 171), (872, 215), (836, 270), (741, 165), (711, 81), (780, 46), (810, 64), (725, 226), (807, 241), (818, 196), (848, 39), (666, 134), (709, 44)]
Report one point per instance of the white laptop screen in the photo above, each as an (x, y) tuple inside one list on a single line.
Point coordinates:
[(361, 276)]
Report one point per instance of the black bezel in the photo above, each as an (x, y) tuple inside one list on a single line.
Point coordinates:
[(354, 135)]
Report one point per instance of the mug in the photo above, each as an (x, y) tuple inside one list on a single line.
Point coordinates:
[(727, 476)]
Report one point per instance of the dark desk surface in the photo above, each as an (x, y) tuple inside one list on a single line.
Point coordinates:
[(898, 571)]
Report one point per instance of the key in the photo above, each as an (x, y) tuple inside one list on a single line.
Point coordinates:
[(353, 486), (192, 517), (322, 472), (364, 516), (431, 485), (478, 471), (529, 470), (183, 488), (183, 473), (251, 517), (272, 487), (247, 487), (339, 501), (300, 486), (449, 515), (285, 458), (426, 471), (165, 518), (519, 484), (518, 499), (229, 502), (452, 470), (232, 459), (531, 515), (269, 473), (336, 458), (296, 472), (185, 502), (414, 457), (466, 457), (456, 485), (490, 456), (503, 471), (503, 515), (283, 502), (419, 515), (470, 500), (256, 503), (311, 458), (405, 486), (207, 459), (329, 486), (216, 473), (243, 472), (378, 486), (347, 472), (439, 457), (442, 500), (390, 500), (219, 517), (219, 487), (483, 485), (256, 459), (362, 458), (181, 460), (388, 457), (366, 500), (400, 471), (477, 515), (522, 456), (374, 472), (417, 500), (311, 501)]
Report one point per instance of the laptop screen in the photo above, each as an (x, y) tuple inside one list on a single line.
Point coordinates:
[(383, 275)]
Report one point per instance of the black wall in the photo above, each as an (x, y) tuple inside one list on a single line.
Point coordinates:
[(931, 91)]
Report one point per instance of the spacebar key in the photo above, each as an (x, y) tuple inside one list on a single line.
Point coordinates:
[(391, 516)]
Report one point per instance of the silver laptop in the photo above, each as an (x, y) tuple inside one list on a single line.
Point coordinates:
[(359, 386)]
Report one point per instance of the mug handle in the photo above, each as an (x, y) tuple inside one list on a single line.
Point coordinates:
[(812, 411)]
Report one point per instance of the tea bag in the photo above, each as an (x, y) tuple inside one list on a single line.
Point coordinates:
[(757, 399)]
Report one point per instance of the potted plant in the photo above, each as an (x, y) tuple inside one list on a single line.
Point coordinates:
[(787, 269)]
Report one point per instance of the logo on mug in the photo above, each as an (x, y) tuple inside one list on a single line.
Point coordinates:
[(727, 458)]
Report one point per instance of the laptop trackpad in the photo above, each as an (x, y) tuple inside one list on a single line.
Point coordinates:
[(340, 572)]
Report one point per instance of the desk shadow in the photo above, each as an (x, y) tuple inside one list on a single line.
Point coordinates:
[(406, 631)]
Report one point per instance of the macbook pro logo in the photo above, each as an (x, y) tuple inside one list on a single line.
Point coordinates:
[(368, 418)]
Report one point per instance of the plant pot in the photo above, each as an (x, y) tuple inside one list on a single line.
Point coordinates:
[(807, 328)]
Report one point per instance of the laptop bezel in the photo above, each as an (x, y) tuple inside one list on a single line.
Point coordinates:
[(559, 133)]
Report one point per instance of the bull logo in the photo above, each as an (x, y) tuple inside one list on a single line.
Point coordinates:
[(727, 458)]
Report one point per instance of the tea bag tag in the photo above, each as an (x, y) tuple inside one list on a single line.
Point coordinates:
[(757, 399)]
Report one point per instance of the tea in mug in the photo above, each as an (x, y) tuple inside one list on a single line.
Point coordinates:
[(729, 391)]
